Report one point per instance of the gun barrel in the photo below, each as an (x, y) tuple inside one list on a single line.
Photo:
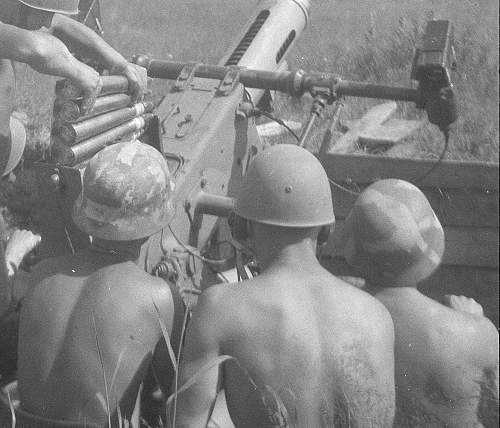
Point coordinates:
[(368, 90), (267, 38), (72, 155), (70, 110), (67, 90), (291, 82), (76, 132)]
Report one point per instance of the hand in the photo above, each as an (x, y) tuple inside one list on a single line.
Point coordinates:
[(89, 81), (137, 78), (464, 304), (20, 243)]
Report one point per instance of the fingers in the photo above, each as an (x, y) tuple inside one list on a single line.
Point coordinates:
[(91, 89), (90, 82), (463, 303), (138, 80)]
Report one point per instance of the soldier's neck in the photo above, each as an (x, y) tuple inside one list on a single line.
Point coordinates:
[(276, 256), (396, 291)]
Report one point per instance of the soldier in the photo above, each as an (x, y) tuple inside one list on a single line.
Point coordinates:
[(323, 347), (36, 33), (92, 319), (446, 355)]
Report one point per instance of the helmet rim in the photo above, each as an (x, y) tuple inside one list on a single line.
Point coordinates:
[(73, 10)]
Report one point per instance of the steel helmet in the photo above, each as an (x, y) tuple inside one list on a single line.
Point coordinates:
[(392, 235), (286, 185), (67, 7), (126, 193), (17, 145)]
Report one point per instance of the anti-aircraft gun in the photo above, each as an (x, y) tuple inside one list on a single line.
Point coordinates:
[(205, 127)]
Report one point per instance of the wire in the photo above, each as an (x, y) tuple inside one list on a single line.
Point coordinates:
[(446, 134), (258, 112), (192, 251), (345, 189)]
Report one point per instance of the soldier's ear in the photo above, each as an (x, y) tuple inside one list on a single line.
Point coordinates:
[(324, 234), (239, 227)]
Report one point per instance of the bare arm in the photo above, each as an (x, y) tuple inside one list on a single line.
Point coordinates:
[(82, 40), (195, 405), (48, 55)]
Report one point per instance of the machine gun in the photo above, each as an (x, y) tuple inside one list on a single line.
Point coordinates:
[(205, 128)]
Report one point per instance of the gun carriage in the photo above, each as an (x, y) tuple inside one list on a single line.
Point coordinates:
[(206, 129)]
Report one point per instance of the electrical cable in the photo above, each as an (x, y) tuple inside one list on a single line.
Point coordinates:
[(258, 112), (446, 134), (345, 189), (192, 251)]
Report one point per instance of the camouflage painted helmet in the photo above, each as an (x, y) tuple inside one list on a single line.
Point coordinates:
[(126, 193), (17, 145), (67, 7), (286, 185), (392, 236)]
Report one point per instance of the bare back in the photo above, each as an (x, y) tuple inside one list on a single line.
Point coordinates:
[(445, 363), (325, 348), (93, 328)]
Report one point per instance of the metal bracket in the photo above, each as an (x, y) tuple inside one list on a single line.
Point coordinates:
[(329, 94), (229, 82), (185, 77)]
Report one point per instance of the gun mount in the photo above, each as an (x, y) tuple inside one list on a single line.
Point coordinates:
[(205, 128)]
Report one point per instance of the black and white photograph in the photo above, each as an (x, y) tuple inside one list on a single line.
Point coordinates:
[(249, 214)]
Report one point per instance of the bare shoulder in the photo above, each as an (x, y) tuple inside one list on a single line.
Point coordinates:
[(217, 298), (474, 334), (471, 336), (368, 309), (129, 276), (221, 304)]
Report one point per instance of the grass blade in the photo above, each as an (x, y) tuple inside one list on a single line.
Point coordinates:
[(115, 373), (166, 336), (176, 375), (12, 411), (208, 366), (120, 424), (108, 412)]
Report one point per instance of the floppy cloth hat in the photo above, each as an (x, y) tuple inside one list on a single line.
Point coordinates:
[(392, 235)]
